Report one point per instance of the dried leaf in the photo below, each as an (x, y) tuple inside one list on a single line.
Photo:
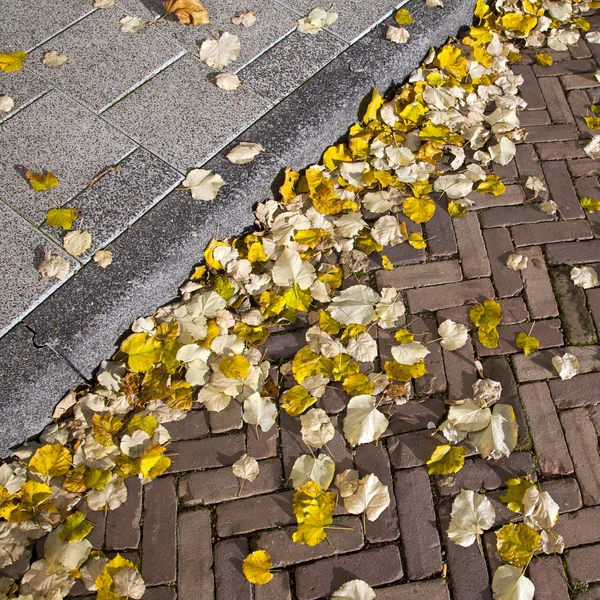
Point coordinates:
[(103, 258), (188, 12), (77, 242), (220, 53), (53, 58)]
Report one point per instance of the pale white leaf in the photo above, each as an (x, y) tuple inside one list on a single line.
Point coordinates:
[(244, 18), (370, 497), (592, 149), (455, 186), (552, 542), (228, 81), (53, 58), (53, 266), (398, 35), (386, 231), (434, 3), (6, 103), (454, 335), (259, 411), (363, 423), (111, 496), (290, 268), (61, 554), (357, 589), (354, 305), (593, 37), (548, 207), (539, 509), (103, 3), (316, 20), (129, 583), (103, 258), (77, 242), (246, 467), (347, 482), (13, 542), (472, 514), (244, 152), (486, 391), (203, 184), (503, 152), (135, 445), (410, 353), (317, 428), (567, 365), (309, 468), (389, 309), (132, 24), (535, 184), (585, 277), (499, 438), (516, 262), (509, 583), (362, 348), (468, 416), (220, 53)]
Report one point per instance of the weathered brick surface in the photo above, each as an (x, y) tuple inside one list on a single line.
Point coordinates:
[(580, 527), (582, 391), (207, 453), (499, 247), (582, 564), (546, 233), (123, 524), (411, 276), (434, 589), (556, 102), (451, 294), (538, 288), (229, 579), (548, 577), (473, 256), (196, 579)]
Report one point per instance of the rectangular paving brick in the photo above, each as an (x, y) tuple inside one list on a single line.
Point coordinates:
[(439, 232), (530, 118), (539, 365), (283, 346), (284, 551), (452, 294), (582, 564), (412, 449), (414, 416), (263, 446), (229, 579), (411, 276), (583, 167), (561, 190), (460, 371), (580, 391), (583, 444), (225, 420), (207, 453), (219, 485), (499, 247), (548, 438), (435, 380), (489, 474), (123, 524), (537, 285), (565, 67), (159, 533), (530, 90), (194, 426), (546, 233), (556, 102), (580, 527), (434, 589), (278, 588), (528, 164), (573, 253), (576, 81), (420, 539), (513, 194), (506, 173), (593, 302), (195, 557), (376, 566), (548, 577), (471, 247), (560, 150), (551, 133), (504, 216)]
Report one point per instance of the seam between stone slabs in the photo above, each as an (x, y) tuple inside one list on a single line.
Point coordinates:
[(28, 103)]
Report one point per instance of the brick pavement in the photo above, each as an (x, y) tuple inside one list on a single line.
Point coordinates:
[(190, 531)]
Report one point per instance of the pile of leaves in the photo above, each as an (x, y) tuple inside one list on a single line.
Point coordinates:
[(437, 134)]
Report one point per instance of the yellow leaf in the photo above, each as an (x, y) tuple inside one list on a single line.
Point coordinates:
[(358, 384), (373, 107), (307, 363), (516, 488), (592, 122), (105, 582), (61, 217), (12, 61), (402, 17), (153, 462), (143, 351), (181, 395), (419, 210), (41, 181), (298, 298), (333, 275), (51, 460), (254, 335), (481, 9), (335, 155), (517, 542), (271, 304), (311, 237), (256, 253), (416, 241), (97, 479), (395, 370), (457, 209), (386, 263), (452, 60), (491, 185), (235, 367), (446, 459), (527, 343), (296, 400), (582, 24), (148, 424), (518, 24), (486, 315), (490, 338), (312, 529), (73, 481), (188, 12), (209, 256), (329, 324), (590, 204), (413, 112), (105, 427), (544, 59), (75, 527), (404, 336), (311, 494), (343, 366), (256, 567), (223, 286), (287, 189)]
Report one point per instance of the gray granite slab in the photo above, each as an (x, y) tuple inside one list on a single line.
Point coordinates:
[(288, 64), (182, 117), (32, 381), (23, 87), (59, 135), (273, 22), (26, 23), (104, 63), (23, 247), (119, 198), (356, 17)]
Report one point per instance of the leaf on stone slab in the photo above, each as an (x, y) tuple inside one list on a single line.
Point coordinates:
[(103, 3), (143, 351), (110, 497), (317, 428), (103, 258), (469, 416), (403, 17), (488, 314), (370, 497), (54, 58), (61, 217), (434, 3), (516, 488), (244, 18), (499, 438), (259, 411), (585, 277), (446, 460), (41, 182), (516, 262), (454, 335), (552, 542), (131, 24), (63, 554), (548, 207), (357, 589), (204, 185), (244, 152), (12, 61), (245, 468), (188, 12), (77, 242), (256, 567), (220, 53), (53, 266), (347, 482), (129, 583), (517, 543), (509, 583), (419, 210), (363, 423), (76, 527), (308, 468), (535, 184), (398, 35), (593, 37), (410, 353), (590, 204), (51, 460), (567, 366), (539, 508), (6, 104), (472, 514), (316, 20), (386, 231), (228, 82), (592, 149), (527, 343)]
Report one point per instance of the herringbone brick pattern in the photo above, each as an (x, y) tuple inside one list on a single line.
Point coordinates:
[(190, 530)]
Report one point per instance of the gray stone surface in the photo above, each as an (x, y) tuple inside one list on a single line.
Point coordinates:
[(23, 87), (285, 66), (104, 63), (273, 22), (119, 198), (58, 135), (32, 381), (182, 117), (28, 23), (22, 249)]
